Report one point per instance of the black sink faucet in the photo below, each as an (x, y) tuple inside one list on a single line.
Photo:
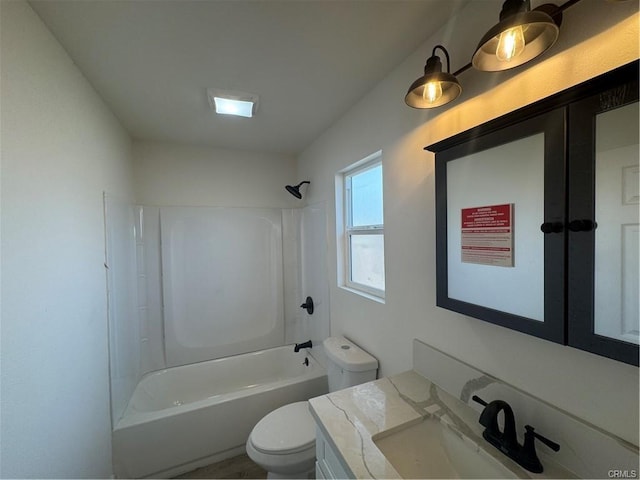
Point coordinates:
[(506, 440), (306, 344)]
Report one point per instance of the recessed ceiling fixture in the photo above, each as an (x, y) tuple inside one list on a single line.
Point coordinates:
[(228, 102), (521, 35)]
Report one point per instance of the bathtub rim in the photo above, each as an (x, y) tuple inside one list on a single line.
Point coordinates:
[(130, 419)]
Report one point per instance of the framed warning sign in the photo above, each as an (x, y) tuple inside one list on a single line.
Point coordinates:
[(487, 235)]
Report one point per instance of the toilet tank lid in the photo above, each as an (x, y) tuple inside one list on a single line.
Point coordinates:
[(348, 355)]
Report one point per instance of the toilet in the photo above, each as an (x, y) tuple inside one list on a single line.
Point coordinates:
[(284, 441)]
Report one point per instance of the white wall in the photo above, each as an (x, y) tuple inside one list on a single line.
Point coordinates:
[(180, 175), (595, 37), (61, 147)]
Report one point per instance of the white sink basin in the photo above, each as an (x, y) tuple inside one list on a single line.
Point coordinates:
[(430, 449)]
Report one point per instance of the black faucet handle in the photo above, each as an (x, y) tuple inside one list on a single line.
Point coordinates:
[(308, 305), (527, 456), (477, 399), (529, 430)]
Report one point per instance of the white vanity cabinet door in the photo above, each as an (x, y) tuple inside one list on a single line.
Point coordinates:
[(327, 463)]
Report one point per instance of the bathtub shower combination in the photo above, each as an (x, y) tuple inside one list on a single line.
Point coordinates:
[(190, 416), (216, 288)]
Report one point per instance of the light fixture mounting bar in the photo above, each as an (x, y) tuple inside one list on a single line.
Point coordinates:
[(567, 4)]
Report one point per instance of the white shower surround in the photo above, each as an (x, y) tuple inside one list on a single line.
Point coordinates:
[(217, 402), (222, 281), (185, 417)]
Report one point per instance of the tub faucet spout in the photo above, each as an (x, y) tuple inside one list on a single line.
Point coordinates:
[(306, 344)]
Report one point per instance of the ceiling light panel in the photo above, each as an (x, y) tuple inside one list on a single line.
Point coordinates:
[(228, 102)]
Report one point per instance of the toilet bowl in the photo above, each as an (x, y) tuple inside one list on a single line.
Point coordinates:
[(284, 441)]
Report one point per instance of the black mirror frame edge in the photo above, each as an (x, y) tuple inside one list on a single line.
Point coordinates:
[(545, 115)]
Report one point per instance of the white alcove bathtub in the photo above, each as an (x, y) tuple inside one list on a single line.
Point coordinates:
[(185, 417)]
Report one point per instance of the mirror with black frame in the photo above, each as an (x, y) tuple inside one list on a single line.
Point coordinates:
[(537, 218)]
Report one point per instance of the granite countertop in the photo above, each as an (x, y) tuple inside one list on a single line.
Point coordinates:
[(350, 419)]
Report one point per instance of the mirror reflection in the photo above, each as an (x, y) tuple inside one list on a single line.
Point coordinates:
[(617, 211)]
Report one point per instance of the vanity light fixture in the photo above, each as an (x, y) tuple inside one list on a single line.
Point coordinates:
[(521, 35), (435, 87), (227, 102)]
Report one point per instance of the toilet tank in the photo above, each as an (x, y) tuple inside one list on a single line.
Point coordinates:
[(348, 364)]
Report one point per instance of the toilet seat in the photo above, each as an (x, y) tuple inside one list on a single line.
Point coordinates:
[(287, 430)]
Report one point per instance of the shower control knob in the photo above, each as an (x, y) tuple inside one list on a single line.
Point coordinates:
[(308, 305)]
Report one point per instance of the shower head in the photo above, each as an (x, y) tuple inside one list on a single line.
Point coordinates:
[(295, 190)]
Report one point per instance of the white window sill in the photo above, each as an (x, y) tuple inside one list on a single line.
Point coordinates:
[(369, 296)]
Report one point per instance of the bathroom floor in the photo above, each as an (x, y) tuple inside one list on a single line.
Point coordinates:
[(236, 467)]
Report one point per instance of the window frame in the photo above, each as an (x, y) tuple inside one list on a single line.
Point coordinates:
[(368, 163)]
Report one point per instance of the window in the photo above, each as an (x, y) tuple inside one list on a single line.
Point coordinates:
[(363, 227)]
